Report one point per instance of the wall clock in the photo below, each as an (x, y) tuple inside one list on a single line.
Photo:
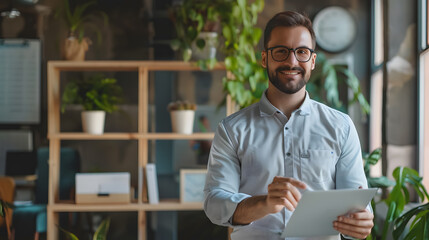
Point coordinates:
[(335, 29)]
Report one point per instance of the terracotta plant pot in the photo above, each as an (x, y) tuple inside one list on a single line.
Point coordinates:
[(74, 50)]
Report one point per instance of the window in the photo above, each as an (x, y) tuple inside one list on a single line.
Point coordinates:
[(376, 100), (424, 92)]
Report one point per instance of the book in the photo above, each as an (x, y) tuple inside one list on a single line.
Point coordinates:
[(152, 183)]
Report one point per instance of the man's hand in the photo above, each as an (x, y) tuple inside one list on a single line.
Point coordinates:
[(357, 225), (283, 192)]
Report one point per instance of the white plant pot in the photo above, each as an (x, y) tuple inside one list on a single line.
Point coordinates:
[(182, 121), (209, 50), (93, 121)]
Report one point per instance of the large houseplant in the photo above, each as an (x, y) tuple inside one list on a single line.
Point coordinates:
[(325, 80), (396, 200), (97, 95), (78, 19)]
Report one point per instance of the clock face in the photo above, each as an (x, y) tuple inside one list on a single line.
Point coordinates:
[(335, 29)]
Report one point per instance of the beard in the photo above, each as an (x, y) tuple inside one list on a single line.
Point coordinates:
[(287, 87)]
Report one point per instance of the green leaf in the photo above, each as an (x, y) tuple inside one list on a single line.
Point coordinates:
[(260, 4), (2, 210), (253, 81), (187, 53), (227, 33), (192, 33), (419, 229), (389, 218), (68, 234), (380, 182), (200, 43), (331, 83), (374, 156), (211, 63), (257, 33), (101, 232)]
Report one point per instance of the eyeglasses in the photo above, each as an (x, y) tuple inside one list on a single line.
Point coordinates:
[(281, 53)]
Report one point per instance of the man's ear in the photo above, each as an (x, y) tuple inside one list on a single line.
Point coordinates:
[(313, 61), (264, 59)]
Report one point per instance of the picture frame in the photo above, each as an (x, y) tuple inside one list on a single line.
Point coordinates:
[(192, 183)]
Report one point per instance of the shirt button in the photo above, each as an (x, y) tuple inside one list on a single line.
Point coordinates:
[(286, 128), (288, 154)]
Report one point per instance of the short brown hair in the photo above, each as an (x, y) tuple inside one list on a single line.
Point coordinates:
[(288, 19)]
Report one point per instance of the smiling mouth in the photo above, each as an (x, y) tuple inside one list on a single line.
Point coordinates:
[(290, 72)]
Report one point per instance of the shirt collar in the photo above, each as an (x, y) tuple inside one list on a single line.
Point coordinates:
[(268, 109)]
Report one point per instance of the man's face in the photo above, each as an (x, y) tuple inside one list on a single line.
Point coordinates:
[(290, 75)]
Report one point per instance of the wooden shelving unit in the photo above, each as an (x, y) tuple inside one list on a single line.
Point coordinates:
[(143, 136)]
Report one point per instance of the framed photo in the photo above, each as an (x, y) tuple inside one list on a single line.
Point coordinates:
[(192, 185)]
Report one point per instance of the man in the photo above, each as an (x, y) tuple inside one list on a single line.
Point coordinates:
[(264, 156)]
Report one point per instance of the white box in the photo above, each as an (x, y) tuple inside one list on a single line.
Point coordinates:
[(103, 187)]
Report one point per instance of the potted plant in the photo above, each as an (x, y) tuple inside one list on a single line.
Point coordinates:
[(182, 116), (100, 233), (237, 20), (97, 95), (77, 20), (397, 198), (324, 83), (247, 79), (196, 25)]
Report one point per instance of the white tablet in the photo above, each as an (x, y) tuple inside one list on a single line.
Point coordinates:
[(317, 211)]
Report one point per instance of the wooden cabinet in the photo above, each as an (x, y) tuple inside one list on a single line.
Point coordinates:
[(142, 136)]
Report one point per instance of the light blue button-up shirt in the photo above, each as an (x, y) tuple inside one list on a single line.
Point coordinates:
[(317, 145)]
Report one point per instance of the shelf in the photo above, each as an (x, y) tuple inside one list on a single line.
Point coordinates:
[(70, 206), (177, 136), (128, 65), (164, 205), (142, 135), (131, 136), (86, 136), (172, 205)]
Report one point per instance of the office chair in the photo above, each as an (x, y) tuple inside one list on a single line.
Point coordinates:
[(30, 221)]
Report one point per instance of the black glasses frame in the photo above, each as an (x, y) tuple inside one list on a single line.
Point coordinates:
[(290, 50)]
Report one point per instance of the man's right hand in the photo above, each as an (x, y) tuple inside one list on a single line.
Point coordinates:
[(283, 192)]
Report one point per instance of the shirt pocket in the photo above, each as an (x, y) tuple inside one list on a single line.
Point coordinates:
[(316, 165)]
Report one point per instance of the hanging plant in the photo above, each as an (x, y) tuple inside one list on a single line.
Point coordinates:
[(248, 79)]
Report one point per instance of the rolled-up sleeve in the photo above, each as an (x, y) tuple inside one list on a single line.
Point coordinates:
[(223, 179)]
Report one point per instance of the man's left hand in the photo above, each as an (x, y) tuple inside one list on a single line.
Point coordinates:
[(357, 225)]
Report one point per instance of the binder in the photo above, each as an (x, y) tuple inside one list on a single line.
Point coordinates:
[(152, 183)]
